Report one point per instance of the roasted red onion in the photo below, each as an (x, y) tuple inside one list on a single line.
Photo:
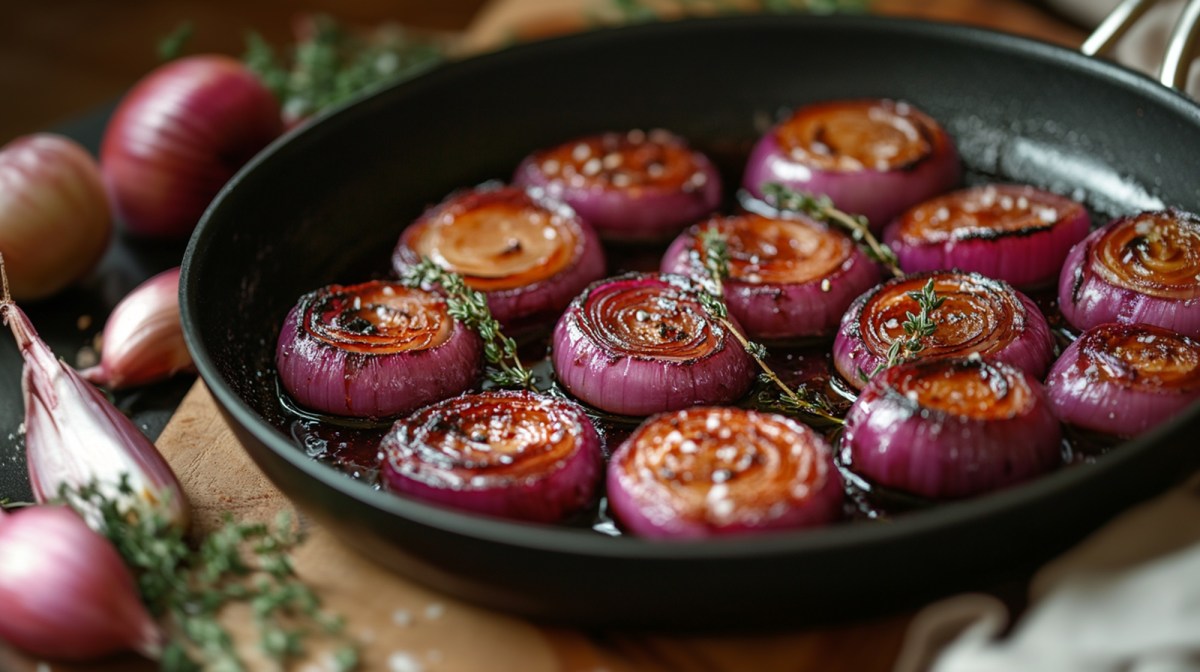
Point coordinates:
[(531, 255), (640, 344), (1139, 269), (979, 316), (788, 278), (374, 350), (704, 472), (871, 157), (1125, 379), (947, 428), (510, 454), (633, 186), (1014, 233)]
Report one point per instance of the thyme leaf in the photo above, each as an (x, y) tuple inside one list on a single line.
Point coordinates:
[(917, 327), (470, 307), (822, 209), (714, 258), (187, 587)]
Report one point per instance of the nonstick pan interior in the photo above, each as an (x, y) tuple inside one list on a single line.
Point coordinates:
[(327, 203)]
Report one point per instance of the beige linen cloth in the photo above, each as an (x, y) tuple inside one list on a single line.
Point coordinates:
[(1125, 600)]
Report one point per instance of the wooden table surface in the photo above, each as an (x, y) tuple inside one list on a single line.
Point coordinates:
[(61, 58)]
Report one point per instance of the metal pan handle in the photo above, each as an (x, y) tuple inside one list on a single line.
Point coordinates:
[(1181, 45)]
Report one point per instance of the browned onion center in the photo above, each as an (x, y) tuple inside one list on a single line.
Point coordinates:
[(1140, 356), (780, 251), (497, 239), (634, 160), (496, 434), (724, 463), (1154, 253), (972, 389), (979, 315), (983, 212), (848, 136), (378, 318), (646, 316)]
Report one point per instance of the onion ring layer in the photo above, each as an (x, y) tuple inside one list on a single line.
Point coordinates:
[(529, 254), (979, 316), (635, 186), (788, 278), (1125, 379), (871, 157), (709, 471), (1139, 269), (375, 349), (511, 454), (949, 428), (639, 344), (1014, 233)]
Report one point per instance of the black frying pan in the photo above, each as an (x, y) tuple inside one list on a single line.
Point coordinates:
[(327, 203)]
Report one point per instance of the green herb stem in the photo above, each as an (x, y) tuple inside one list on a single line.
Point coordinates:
[(917, 327), (470, 307), (822, 209)]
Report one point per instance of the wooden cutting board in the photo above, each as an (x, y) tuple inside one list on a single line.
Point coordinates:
[(405, 627)]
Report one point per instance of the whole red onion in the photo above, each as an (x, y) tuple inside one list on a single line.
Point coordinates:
[(871, 157), (179, 136), (65, 591)]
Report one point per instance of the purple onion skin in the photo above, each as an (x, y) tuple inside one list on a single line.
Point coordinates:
[(646, 213), (327, 379), (530, 307), (1032, 350), (771, 311), (548, 493), (897, 442), (1084, 397), (1087, 300), (1029, 258), (754, 502), (877, 195), (638, 385)]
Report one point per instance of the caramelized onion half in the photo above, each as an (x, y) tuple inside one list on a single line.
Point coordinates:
[(634, 186), (374, 350), (1014, 233), (788, 278), (529, 254), (511, 454), (871, 157), (711, 471), (950, 428), (1125, 379), (639, 344), (979, 316), (1139, 269)]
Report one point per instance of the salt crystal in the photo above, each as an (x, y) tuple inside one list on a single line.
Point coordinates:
[(435, 610), (402, 661), (402, 617)]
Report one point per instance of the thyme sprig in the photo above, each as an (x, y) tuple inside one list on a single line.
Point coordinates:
[(188, 587), (470, 307), (917, 327), (821, 208), (714, 257)]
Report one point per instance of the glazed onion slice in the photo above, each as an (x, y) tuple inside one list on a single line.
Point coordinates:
[(788, 278), (1015, 233), (374, 350), (529, 254), (640, 344), (950, 428), (634, 186), (704, 472), (871, 157), (1125, 379), (979, 316), (511, 454), (1139, 269)]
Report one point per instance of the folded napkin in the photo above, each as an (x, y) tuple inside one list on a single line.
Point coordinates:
[(1125, 600)]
